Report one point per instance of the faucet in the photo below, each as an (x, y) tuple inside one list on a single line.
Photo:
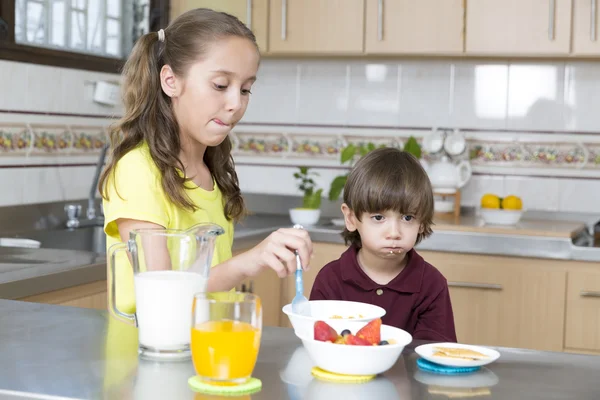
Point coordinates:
[(74, 210)]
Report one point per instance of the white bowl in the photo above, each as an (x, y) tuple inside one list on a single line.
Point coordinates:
[(496, 216), (356, 360), (304, 216), (324, 310)]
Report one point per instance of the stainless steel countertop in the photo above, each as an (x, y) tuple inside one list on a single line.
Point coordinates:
[(48, 350)]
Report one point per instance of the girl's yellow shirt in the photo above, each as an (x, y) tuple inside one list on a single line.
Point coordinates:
[(135, 192)]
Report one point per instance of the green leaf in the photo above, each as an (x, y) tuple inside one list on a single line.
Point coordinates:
[(412, 147), (312, 200), (297, 175), (364, 150), (348, 153), (337, 186), (371, 146), (303, 170)]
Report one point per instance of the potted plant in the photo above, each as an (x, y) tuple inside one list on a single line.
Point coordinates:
[(349, 155), (310, 212)]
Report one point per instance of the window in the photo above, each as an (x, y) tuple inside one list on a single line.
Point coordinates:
[(82, 34), (85, 26)]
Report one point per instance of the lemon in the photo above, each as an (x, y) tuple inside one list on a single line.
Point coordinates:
[(490, 201), (512, 203)]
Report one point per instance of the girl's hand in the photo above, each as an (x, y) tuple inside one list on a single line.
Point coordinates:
[(277, 252)]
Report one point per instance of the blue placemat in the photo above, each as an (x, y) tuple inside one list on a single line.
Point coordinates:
[(443, 369)]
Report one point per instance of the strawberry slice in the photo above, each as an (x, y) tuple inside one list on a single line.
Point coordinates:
[(371, 332), (324, 333), (356, 341)]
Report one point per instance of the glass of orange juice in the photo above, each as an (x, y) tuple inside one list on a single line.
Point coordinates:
[(226, 331)]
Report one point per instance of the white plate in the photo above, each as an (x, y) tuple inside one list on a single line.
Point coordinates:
[(426, 351)]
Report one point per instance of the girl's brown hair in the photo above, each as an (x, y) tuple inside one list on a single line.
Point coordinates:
[(148, 113), (389, 179)]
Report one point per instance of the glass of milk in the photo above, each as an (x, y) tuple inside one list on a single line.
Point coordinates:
[(156, 273)]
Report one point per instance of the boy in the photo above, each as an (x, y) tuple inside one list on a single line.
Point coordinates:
[(388, 208)]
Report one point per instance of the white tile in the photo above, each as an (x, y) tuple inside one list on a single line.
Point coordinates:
[(536, 96), (425, 93), (374, 93), (581, 96), (479, 185), (12, 182), (267, 180), (42, 185), (274, 95), (77, 181), (14, 83), (480, 95), (537, 193), (323, 92), (579, 195)]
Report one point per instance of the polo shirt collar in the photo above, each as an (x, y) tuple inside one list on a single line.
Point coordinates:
[(408, 281)]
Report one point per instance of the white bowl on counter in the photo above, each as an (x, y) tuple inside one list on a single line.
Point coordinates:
[(356, 360), (328, 310), (496, 216)]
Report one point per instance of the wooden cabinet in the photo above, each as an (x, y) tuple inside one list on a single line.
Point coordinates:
[(253, 13), (414, 27), (323, 253), (505, 301), (316, 26), (518, 27), (583, 311), (89, 295), (585, 28)]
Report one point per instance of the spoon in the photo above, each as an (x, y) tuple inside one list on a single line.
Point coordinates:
[(300, 303)]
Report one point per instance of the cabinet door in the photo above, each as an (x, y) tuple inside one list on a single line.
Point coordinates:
[(316, 26), (323, 253), (254, 13), (583, 311), (87, 295), (585, 27), (414, 27), (504, 301), (519, 27)]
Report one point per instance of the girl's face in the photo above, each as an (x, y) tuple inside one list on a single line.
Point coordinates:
[(213, 96)]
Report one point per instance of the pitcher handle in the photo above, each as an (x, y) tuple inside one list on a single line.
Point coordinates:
[(112, 307), (465, 172)]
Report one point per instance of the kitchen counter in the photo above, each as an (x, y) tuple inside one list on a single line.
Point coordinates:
[(49, 351), (26, 272)]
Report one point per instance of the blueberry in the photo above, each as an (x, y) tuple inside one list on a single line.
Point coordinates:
[(383, 342), (346, 332)]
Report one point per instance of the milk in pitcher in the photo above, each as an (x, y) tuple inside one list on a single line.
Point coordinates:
[(164, 307)]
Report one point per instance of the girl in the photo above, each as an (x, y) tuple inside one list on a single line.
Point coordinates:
[(185, 88)]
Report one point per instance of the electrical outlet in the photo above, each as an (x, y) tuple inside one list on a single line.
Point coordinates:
[(106, 93)]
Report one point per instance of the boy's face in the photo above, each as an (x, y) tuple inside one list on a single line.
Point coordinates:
[(384, 234)]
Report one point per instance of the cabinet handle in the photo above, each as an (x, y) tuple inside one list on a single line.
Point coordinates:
[(589, 293), (491, 286), (283, 19), (243, 289), (593, 4), (551, 19), (249, 13), (251, 287), (380, 20)]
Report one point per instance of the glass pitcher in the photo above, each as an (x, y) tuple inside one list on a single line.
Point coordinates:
[(169, 267)]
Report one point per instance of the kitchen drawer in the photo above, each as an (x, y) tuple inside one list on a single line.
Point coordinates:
[(583, 311)]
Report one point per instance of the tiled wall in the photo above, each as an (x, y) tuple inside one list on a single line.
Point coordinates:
[(532, 126)]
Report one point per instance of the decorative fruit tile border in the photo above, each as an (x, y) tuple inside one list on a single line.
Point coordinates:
[(260, 145), (317, 146), (15, 139), (43, 139), (563, 155)]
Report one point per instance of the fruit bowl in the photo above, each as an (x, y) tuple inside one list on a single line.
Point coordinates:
[(493, 216), (356, 359), (331, 311)]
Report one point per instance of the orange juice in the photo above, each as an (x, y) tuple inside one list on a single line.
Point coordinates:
[(225, 350)]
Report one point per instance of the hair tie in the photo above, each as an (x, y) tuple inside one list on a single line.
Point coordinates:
[(161, 35)]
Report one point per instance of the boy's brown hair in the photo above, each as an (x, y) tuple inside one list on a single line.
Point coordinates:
[(389, 179)]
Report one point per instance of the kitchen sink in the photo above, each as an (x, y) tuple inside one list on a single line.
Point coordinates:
[(90, 238)]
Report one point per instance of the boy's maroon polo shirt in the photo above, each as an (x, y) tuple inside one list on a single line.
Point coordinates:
[(417, 300)]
